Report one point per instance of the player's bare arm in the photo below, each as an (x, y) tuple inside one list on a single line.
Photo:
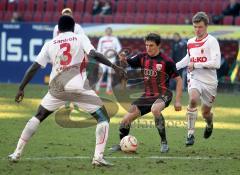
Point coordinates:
[(102, 59), (177, 104), (27, 77)]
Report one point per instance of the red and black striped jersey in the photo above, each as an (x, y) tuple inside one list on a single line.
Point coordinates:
[(156, 70)]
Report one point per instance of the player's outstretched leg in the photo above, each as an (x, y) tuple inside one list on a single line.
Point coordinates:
[(27, 133), (125, 125), (191, 119), (101, 137), (124, 130)]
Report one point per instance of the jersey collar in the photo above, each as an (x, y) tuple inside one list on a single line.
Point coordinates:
[(198, 40)]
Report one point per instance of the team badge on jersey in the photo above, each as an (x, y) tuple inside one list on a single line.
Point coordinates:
[(159, 67)]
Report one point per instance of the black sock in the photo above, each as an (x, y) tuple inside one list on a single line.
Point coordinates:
[(209, 120), (124, 130), (160, 125)]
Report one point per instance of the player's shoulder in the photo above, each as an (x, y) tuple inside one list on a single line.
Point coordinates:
[(142, 54), (138, 55), (191, 40), (166, 58), (78, 25), (212, 38)]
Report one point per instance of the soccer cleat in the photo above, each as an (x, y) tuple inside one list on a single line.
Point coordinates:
[(14, 157), (164, 147), (208, 131), (115, 148), (100, 162), (190, 140)]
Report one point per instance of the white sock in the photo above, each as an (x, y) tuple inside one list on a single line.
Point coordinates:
[(101, 138), (192, 114), (27, 133), (99, 82), (109, 82)]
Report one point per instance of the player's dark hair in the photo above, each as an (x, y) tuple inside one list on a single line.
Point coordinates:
[(108, 28), (200, 16), (66, 23), (153, 37)]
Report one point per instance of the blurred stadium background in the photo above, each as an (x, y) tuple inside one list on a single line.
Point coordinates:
[(26, 24)]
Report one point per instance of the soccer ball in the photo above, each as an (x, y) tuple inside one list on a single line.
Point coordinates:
[(129, 144)]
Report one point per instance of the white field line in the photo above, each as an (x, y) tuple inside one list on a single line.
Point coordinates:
[(130, 157)]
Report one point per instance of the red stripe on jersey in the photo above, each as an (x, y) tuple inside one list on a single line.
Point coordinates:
[(154, 79), (163, 79), (194, 45), (83, 65), (146, 79), (107, 41)]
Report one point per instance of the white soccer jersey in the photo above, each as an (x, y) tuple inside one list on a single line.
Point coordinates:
[(63, 51), (206, 56), (106, 43), (77, 29)]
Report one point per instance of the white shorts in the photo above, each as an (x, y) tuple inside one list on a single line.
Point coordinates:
[(104, 68), (89, 102), (207, 92)]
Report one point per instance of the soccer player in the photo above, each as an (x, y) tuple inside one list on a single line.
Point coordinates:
[(157, 69), (109, 46), (77, 28), (67, 80), (202, 60)]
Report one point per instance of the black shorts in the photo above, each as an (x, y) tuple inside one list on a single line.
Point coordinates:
[(144, 103)]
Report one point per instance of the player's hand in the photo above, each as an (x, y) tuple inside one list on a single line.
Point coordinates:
[(190, 66), (19, 96), (177, 106), (122, 57), (120, 71)]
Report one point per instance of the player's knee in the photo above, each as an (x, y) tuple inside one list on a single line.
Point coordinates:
[(134, 110), (193, 102), (156, 111), (101, 115), (206, 113), (42, 113)]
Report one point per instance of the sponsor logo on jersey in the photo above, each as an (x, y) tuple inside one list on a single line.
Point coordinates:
[(159, 67), (198, 59), (150, 72)]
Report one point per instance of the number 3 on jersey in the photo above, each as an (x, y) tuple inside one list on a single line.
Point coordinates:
[(67, 57)]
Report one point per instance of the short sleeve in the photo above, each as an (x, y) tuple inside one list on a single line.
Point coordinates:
[(43, 57), (79, 29), (55, 31), (135, 61), (172, 70), (86, 44)]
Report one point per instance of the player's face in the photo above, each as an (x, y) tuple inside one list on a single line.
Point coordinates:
[(152, 48), (108, 32), (200, 29)]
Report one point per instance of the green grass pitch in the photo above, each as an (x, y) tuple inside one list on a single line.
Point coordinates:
[(57, 150)]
